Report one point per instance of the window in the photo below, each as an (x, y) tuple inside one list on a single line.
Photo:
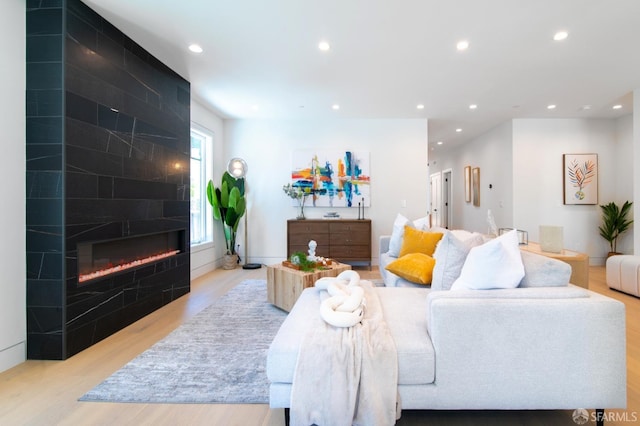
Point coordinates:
[(201, 148)]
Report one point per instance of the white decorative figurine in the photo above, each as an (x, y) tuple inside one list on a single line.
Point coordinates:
[(493, 229), (312, 251)]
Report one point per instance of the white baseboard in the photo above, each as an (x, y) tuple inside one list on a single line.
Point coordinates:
[(12, 356), (203, 269)]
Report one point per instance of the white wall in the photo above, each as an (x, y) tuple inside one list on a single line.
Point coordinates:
[(205, 257), (636, 170), (398, 155), (492, 153), (522, 159), (539, 145), (624, 183), (12, 191)]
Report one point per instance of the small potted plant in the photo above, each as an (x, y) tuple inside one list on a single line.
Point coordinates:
[(229, 205), (614, 223)]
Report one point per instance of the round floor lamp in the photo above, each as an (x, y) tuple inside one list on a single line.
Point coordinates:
[(237, 168)]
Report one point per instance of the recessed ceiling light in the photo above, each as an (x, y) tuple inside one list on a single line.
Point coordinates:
[(324, 46), (420, 106), (586, 107), (195, 48), (335, 106), (439, 142), (462, 45), (560, 35), (551, 106), (617, 106), (473, 106), (458, 130)]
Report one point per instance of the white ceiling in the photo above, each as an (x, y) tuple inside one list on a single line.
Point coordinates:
[(387, 57)]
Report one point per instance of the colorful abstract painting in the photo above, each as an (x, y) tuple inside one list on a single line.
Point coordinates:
[(334, 178), (581, 178)]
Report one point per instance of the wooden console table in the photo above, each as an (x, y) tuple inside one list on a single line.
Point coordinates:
[(284, 285), (346, 240), (579, 262)]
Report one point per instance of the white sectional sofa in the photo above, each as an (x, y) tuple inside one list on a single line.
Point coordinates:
[(525, 348), (530, 347)]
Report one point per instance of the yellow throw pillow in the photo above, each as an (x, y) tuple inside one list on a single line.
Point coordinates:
[(414, 267), (417, 241)]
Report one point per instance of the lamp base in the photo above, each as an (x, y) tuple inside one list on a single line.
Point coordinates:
[(252, 266)]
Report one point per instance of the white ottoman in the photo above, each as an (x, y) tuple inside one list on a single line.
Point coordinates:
[(623, 273)]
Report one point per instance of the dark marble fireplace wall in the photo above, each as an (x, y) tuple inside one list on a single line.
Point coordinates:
[(108, 147)]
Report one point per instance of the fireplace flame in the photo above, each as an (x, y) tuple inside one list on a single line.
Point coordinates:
[(122, 267)]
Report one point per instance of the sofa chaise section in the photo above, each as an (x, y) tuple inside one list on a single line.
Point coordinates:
[(523, 348), (404, 314)]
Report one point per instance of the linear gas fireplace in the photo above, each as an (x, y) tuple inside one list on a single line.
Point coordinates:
[(107, 207), (103, 258)]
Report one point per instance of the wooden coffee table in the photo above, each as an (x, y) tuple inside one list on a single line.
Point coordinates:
[(284, 285)]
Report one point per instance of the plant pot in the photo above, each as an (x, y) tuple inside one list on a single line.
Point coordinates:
[(612, 253), (230, 261)]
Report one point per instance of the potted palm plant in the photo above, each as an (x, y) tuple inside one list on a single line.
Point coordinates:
[(229, 206), (614, 223)]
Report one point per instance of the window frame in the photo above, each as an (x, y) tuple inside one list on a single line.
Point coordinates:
[(205, 174)]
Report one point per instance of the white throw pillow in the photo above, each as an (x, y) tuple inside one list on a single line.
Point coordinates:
[(421, 223), (463, 234), (450, 255), (395, 243), (495, 264), (542, 271), (438, 229)]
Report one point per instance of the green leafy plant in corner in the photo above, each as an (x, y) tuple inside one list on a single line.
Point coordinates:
[(614, 222), (229, 206)]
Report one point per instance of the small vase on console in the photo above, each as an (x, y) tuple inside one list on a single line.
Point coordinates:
[(299, 194)]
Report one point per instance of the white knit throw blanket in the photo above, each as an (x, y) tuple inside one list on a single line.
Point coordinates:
[(347, 376)]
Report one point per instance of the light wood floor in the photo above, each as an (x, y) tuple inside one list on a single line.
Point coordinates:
[(46, 392)]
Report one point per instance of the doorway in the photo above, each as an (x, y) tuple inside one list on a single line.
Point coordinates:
[(441, 189), (436, 198), (447, 210)]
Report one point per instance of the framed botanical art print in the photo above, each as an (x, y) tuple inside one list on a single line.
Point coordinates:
[(580, 178)]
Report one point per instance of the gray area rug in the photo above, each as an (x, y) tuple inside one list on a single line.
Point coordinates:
[(219, 356)]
